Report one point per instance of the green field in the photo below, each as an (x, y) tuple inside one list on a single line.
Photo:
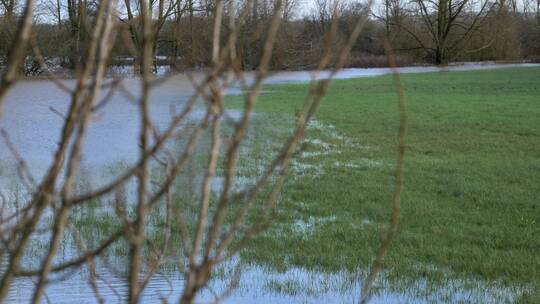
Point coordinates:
[(471, 201)]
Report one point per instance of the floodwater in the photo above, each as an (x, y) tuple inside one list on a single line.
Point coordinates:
[(259, 284), (34, 108), (33, 116)]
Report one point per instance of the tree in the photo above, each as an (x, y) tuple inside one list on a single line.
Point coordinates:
[(79, 12), (159, 11), (8, 6), (7, 23), (442, 27)]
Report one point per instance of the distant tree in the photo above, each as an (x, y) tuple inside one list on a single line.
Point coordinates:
[(391, 15), (529, 32), (160, 11), (80, 14), (441, 28), (8, 22), (8, 8), (499, 37)]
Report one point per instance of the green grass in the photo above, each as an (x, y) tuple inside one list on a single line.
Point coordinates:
[(471, 204)]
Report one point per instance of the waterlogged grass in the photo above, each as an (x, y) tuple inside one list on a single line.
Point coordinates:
[(472, 179), (470, 215)]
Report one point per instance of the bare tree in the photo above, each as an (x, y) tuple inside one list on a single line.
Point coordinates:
[(8, 7), (159, 12), (441, 28), (392, 15), (325, 11)]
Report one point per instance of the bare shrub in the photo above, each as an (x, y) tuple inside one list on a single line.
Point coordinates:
[(211, 226)]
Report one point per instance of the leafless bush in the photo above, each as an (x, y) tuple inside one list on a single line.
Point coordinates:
[(212, 227)]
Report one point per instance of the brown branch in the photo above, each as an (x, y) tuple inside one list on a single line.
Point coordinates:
[(378, 263)]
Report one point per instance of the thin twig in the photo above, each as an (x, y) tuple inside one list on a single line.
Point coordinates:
[(378, 263)]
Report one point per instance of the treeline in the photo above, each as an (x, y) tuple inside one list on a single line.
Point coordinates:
[(420, 31)]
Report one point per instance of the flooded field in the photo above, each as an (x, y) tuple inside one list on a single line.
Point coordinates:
[(34, 114), (34, 110), (262, 285)]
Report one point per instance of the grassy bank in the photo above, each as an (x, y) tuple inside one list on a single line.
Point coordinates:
[(471, 203)]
